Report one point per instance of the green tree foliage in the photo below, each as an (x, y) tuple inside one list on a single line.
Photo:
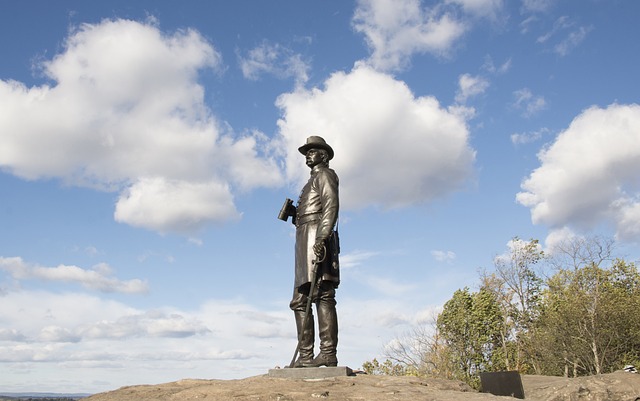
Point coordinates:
[(517, 286), (388, 368), (590, 318), (583, 319), (470, 324)]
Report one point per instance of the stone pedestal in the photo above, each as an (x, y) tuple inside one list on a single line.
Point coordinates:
[(311, 373)]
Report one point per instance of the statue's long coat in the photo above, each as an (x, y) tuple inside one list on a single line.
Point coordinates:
[(316, 216)]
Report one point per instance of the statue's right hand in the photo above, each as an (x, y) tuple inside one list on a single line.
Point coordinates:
[(319, 248)]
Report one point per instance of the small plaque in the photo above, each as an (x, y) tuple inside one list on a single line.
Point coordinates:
[(502, 383)]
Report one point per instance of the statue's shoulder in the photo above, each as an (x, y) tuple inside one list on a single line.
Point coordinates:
[(327, 173), (320, 169)]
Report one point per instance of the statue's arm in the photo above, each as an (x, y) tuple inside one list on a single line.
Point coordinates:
[(328, 190)]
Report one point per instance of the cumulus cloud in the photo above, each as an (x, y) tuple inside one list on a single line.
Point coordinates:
[(470, 86), (588, 176), (274, 59), (123, 111), (558, 237), (98, 278), (396, 29), (392, 149), (180, 205), (515, 247), (526, 101)]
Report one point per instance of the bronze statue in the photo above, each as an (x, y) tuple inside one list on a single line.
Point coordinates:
[(317, 271)]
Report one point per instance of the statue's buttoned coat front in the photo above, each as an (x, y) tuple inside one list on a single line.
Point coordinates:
[(316, 217)]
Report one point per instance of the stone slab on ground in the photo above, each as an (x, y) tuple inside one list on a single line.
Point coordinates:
[(311, 373)]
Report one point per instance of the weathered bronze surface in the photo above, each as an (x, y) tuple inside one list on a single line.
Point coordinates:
[(317, 269)]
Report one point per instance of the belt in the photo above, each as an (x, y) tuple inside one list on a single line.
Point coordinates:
[(307, 218)]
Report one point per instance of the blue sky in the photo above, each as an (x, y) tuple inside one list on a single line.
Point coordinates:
[(147, 148)]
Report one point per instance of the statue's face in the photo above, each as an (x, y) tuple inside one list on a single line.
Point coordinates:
[(314, 157)]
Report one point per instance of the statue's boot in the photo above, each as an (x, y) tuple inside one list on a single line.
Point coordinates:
[(306, 336), (328, 332)]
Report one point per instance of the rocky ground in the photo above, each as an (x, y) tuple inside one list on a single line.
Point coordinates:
[(611, 387)]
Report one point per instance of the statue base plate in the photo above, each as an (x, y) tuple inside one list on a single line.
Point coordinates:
[(311, 373)]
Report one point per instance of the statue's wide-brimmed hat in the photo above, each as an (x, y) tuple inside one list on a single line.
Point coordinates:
[(316, 142)]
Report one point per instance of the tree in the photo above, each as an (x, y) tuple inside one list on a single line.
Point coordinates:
[(626, 284), (584, 319), (517, 286), (577, 252), (592, 313), (422, 352), (470, 325), (387, 368)]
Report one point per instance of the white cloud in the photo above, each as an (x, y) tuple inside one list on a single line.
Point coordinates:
[(356, 258), (53, 336), (588, 176), (27, 313), (43, 325), (525, 25), (392, 149), (99, 278), (528, 137), (562, 23), (274, 59), (123, 110), (150, 324), (527, 102), (537, 5), (492, 68), (91, 250), (443, 256), (470, 86), (60, 335), (182, 206), (572, 41), (396, 29), (57, 334), (514, 247), (557, 237), (388, 286), (11, 335), (481, 8)]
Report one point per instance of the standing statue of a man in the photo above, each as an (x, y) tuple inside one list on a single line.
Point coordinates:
[(316, 257)]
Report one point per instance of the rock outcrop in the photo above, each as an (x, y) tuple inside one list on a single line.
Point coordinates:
[(618, 386)]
